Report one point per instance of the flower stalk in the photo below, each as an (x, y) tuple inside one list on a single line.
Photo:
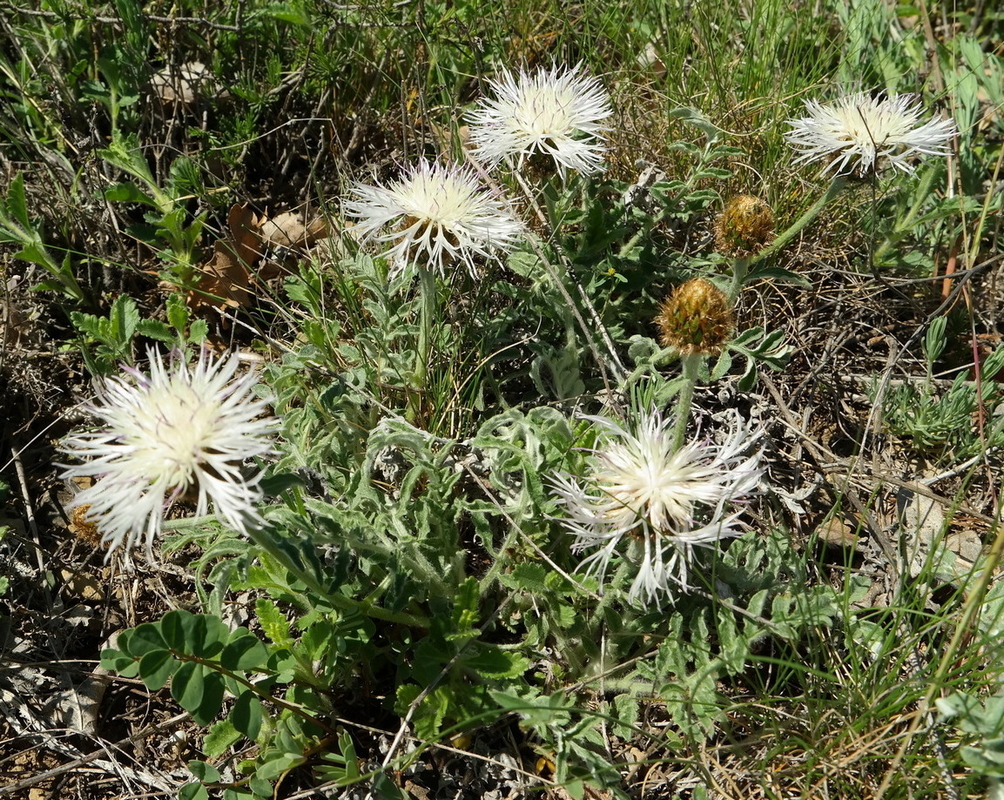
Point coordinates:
[(837, 185), (691, 373), (428, 314)]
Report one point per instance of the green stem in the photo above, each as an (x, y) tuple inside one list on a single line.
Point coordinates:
[(740, 269), (691, 370), (921, 196), (428, 311), (266, 696), (796, 228), (498, 563), (645, 230), (580, 651)]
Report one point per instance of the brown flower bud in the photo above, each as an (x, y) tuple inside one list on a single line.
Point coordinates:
[(745, 227), (696, 318)]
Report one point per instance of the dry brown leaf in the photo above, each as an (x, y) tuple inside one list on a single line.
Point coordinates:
[(966, 545), (649, 59), (82, 586), (290, 229), (837, 533), (245, 231), (226, 280)]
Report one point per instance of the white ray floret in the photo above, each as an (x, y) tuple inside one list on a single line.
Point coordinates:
[(181, 430), (434, 216), (858, 132), (662, 502), (558, 113)]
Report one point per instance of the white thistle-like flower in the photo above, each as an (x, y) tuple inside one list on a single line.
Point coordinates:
[(664, 500), (557, 112), (858, 131), (181, 430), (434, 216)]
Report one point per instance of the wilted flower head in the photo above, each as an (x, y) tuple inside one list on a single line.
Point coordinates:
[(181, 430), (745, 227), (696, 318), (664, 501), (434, 216), (857, 131), (557, 113)]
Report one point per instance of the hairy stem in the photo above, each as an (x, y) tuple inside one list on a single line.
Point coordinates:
[(691, 370), (428, 312), (803, 221)]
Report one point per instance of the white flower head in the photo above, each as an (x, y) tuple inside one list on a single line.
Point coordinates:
[(179, 431), (639, 487), (859, 130), (434, 216), (558, 113)]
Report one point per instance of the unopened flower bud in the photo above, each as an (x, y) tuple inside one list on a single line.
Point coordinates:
[(696, 318), (745, 227)]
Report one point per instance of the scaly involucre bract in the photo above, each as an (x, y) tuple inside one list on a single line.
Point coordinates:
[(857, 132), (181, 430), (434, 216), (557, 113), (661, 501)]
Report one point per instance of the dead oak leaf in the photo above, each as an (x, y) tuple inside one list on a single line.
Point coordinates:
[(226, 279), (289, 230)]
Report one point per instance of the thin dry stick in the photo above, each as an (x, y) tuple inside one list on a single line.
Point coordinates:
[(974, 249), (92, 756), (35, 538), (981, 410)]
